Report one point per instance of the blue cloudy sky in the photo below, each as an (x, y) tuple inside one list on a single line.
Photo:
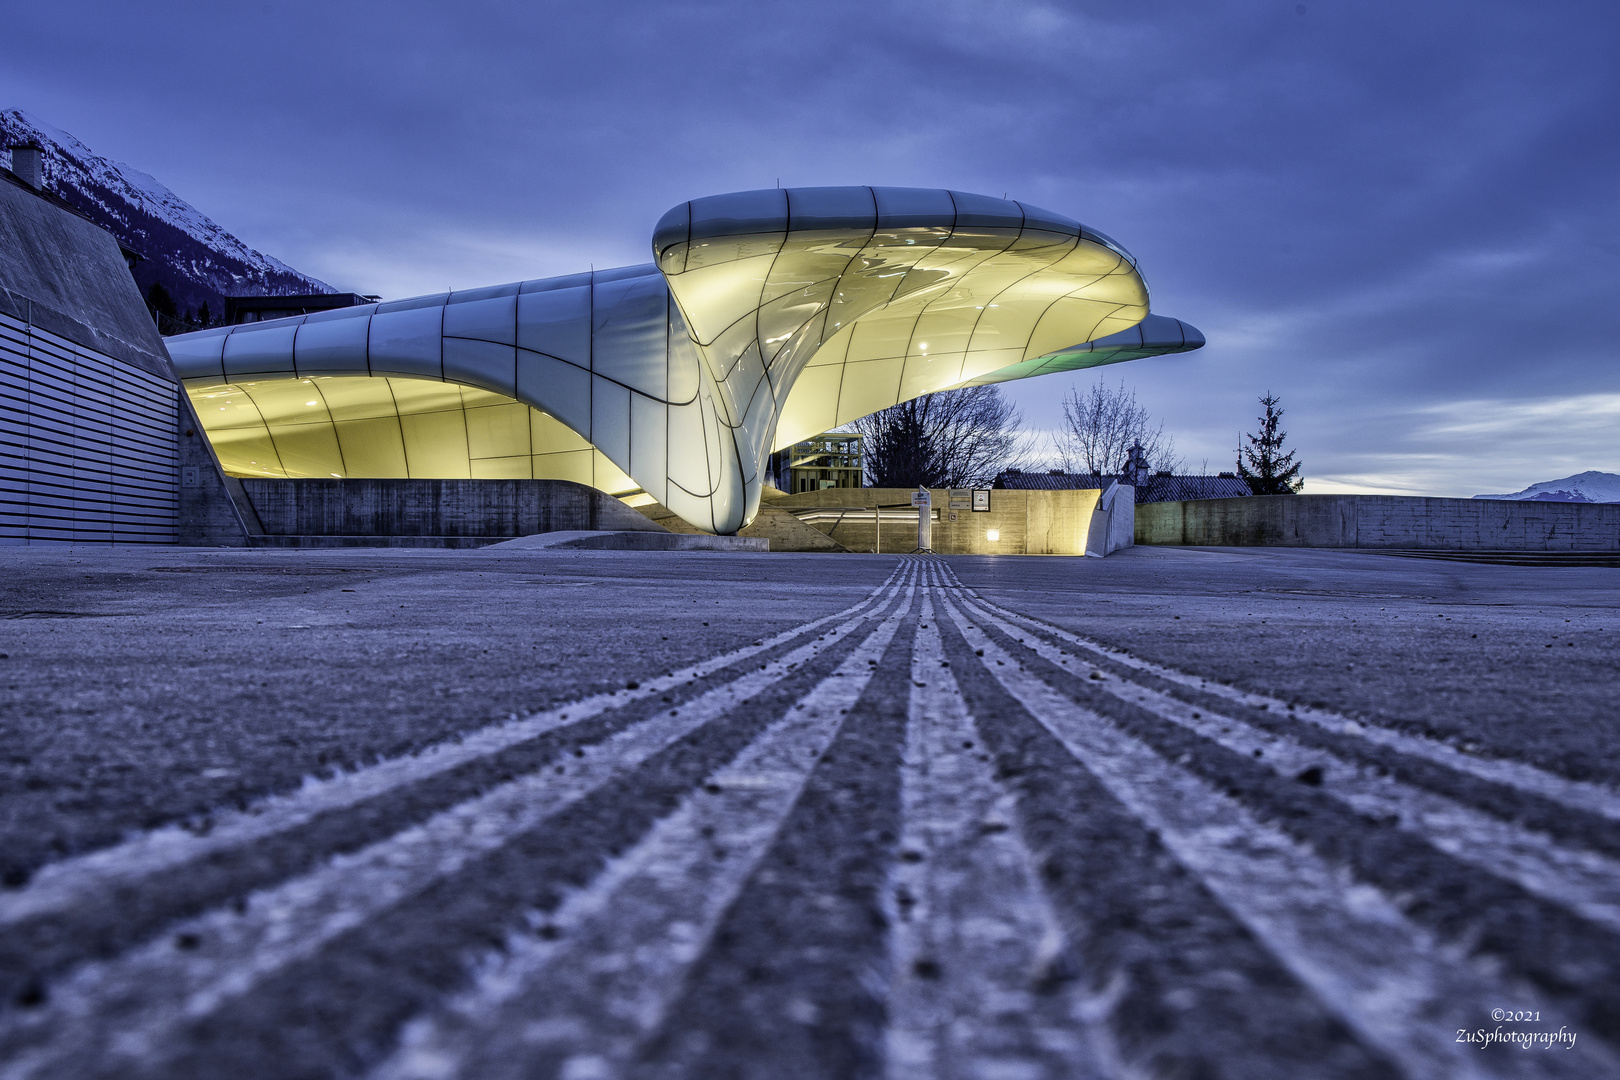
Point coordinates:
[(1403, 217)]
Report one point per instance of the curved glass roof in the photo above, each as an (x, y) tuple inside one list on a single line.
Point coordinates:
[(768, 316)]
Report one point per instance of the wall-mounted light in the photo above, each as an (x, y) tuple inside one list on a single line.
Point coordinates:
[(993, 535)]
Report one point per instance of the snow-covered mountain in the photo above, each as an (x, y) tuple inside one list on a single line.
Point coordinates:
[(195, 259), (1588, 487)]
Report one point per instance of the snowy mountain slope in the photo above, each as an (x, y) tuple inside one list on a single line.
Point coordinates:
[(1590, 487), (196, 260)]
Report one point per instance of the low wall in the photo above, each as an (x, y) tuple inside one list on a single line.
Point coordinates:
[(1026, 522), (435, 507), (1382, 521)]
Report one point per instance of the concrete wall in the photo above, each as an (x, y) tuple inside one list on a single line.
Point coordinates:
[(214, 510), (1382, 521), (1029, 522), (435, 507)]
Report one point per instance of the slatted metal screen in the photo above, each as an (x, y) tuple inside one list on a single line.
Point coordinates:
[(87, 444)]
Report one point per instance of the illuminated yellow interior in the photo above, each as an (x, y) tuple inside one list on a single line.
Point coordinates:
[(871, 320), (391, 428)]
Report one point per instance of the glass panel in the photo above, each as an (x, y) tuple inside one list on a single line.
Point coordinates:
[(692, 508), (739, 212), (1037, 218), (224, 407), (811, 405), (307, 449), (912, 208), (471, 296), (623, 273), (689, 460), (560, 389), (672, 230), (494, 319), (609, 477), (252, 351), (356, 398), (684, 360), (631, 336), (728, 249), (548, 435), (246, 451), (425, 395), (198, 355), (472, 397), (885, 333), (812, 259), (414, 303), (551, 284), (481, 363), (290, 401), (372, 448), (498, 431), (332, 346), (649, 443), (942, 329), (781, 318), (503, 468), (436, 445), (868, 387), (359, 311), (1070, 320), (980, 211), (575, 465), (557, 322), (926, 374), (844, 208), (610, 419), (717, 297), (406, 342)]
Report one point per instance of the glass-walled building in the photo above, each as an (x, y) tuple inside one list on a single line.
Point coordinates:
[(832, 460), (766, 317)]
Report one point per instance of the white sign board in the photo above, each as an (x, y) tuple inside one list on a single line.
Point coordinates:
[(921, 498)]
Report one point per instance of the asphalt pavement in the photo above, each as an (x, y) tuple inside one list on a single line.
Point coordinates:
[(461, 814)]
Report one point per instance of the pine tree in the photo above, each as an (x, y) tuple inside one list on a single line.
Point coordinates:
[(205, 316), (1269, 471), (159, 300)]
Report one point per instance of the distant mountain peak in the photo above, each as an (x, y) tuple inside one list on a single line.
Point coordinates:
[(1587, 487), (195, 259)]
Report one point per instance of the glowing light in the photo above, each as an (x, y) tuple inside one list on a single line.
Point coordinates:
[(993, 535)]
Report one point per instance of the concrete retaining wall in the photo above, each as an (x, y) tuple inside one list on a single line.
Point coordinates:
[(445, 508), (1026, 522), (1382, 521)]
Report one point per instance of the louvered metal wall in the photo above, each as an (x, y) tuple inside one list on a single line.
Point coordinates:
[(87, 444)]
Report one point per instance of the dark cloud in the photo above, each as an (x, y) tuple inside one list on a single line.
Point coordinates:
[(1381, 211)]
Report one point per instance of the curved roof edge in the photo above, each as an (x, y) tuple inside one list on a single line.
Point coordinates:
[(871, 209)]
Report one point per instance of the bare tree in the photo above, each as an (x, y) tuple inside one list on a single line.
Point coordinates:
[(1100, 426), (954, 438)]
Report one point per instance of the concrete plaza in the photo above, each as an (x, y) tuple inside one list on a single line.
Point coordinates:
[(1179, 812)]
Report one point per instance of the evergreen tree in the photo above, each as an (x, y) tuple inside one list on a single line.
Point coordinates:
[(159, 300), (1269, 471), (204, 316)]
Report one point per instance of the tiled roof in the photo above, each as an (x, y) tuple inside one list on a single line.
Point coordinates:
[(1153, 489)]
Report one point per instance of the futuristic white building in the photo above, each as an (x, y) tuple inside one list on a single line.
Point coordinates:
[(767, 316)]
